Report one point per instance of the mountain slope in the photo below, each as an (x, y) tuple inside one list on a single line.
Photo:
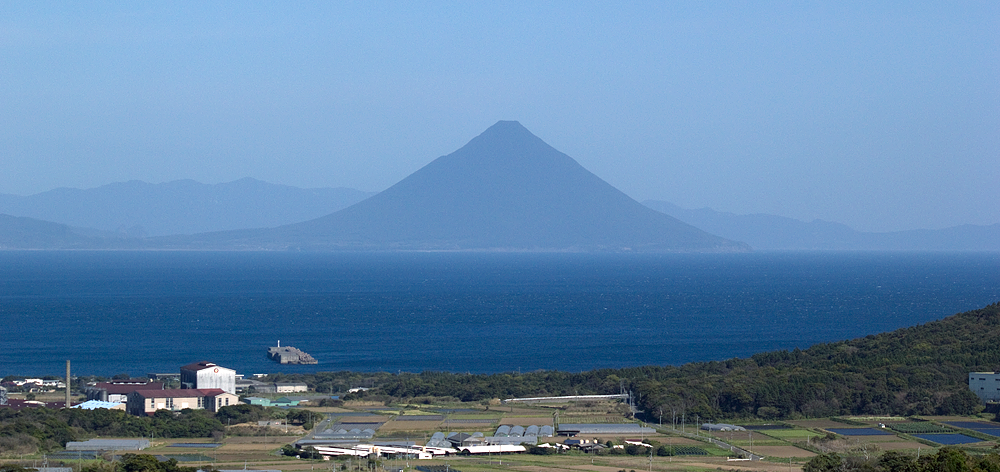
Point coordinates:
[(504, 190), (920, 370), (28, 233), (138, 208), (770, 232)]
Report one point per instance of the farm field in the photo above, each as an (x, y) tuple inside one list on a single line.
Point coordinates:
[(527, 421), (788, 448), (393, 426), (677, 441), (919, 427), (782, 451), (902, 446), (363, 419), (821, 423), (791, 434)]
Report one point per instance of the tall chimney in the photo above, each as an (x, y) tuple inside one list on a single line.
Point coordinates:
[(67, 383)]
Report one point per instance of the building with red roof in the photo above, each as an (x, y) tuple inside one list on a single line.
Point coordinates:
[(146, 402)]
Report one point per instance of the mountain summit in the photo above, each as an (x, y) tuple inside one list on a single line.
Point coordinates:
[(504, 190)]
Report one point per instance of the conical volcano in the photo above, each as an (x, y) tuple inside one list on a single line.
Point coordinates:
[(505, 190)]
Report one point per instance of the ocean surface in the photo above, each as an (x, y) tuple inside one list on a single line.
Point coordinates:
[(141, 312)]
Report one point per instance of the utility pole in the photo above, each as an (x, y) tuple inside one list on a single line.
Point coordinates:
[(67, 383)]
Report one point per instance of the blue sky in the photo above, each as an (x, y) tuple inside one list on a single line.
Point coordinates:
[(881, 115)]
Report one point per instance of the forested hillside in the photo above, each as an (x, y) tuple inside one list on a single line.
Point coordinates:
[(917, 370)]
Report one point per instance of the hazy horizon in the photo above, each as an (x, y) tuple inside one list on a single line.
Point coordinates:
[(882, 116), (375, 192)]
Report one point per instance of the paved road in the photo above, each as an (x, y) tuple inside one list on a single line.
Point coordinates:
[(320, 427)]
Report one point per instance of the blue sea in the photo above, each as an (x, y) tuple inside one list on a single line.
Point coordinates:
[(141, 312)]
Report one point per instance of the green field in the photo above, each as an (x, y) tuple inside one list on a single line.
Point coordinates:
[(687, 451), (470, 416), (744, 443), (920, 428), (792, 434)]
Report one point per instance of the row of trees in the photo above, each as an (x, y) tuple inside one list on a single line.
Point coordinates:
[(945, 460), (31, 429), (464, 387), (28, 430)]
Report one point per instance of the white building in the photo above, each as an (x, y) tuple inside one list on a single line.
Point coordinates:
[(290, 387), (206, 374), (986, 385)]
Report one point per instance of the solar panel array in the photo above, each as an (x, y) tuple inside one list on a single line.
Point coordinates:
[(948, 439), (992, 429), (108, 445), (766, 427)]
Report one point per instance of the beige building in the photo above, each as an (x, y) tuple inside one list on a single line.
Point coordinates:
[(146, 402)]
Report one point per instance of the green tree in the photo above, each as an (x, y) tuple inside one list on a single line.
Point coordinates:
[(831, 462), (14, 468), (893, 461), (947, 459), (139, 463), (244, 413)]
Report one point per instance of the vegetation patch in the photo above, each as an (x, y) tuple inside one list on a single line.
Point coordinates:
[(849, 421), (922, 427), (795, 434), (681, 451)]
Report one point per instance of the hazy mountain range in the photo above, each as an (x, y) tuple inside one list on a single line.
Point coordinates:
[(770, 232), (504, 190), (139, 209)]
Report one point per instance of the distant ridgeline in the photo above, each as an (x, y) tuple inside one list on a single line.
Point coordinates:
[(505, 190), (911, 371)]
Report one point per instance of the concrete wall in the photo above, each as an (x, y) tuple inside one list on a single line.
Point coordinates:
[(217, 377)]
